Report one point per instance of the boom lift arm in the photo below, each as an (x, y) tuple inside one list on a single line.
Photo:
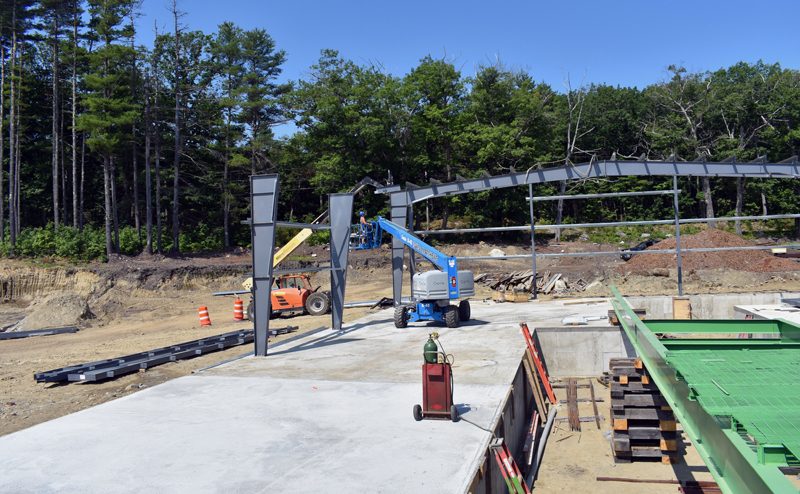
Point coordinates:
[(432, 291), (446, 263)]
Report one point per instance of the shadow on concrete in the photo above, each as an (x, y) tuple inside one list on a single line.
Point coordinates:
[(333, 338)]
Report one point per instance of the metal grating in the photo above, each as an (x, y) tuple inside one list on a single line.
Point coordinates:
[(759, 388)]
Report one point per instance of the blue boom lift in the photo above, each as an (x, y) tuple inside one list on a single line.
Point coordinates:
[(431, 291)]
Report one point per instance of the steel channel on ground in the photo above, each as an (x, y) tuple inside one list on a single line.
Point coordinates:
[(148, 358), (732, 462)]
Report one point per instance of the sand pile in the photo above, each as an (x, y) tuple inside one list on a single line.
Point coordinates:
[(743, 260)]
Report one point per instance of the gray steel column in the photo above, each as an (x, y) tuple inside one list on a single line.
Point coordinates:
[(412, 261), (264, 191), (677, 234), (398, 202), (533, 243), (341, 214)]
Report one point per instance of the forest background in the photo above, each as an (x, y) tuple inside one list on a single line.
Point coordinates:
[(108, 146)]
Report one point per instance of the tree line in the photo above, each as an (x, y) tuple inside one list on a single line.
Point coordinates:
[(153, 145)]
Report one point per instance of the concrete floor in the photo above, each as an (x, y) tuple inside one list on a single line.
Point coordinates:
[(328, 411)]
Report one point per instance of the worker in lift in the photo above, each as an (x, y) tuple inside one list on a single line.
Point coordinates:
[(363, 228)]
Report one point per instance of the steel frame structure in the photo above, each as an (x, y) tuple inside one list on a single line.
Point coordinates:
[(732, 446), (264, 193), (401, 201)]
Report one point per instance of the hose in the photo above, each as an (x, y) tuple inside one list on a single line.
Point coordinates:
[(540, 451)]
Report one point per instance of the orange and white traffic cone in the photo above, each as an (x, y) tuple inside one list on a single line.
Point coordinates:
[(238, 310), (204, 319)]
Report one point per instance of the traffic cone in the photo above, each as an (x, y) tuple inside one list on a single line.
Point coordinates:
[(238, 310), (204, 319)]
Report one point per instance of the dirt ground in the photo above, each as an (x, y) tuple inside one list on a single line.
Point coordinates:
[(148, 302)]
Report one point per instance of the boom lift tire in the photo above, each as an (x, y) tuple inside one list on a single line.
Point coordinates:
[(317, 304), (451, 316), (251, 307), (401, 317), (464, 311)]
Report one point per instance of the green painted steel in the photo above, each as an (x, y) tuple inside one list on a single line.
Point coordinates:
[(737, 398)]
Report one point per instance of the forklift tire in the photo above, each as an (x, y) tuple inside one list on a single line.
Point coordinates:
[(451, 316), (400, 317), (464, 310), (251, 311), (453, 413), (418, 413), (317, 304)]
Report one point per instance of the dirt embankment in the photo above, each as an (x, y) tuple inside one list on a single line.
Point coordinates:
[(758, 261)]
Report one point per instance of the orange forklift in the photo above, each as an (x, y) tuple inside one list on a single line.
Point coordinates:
[(294, 293)]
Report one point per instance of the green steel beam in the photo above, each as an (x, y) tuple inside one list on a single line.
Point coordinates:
[(730, 459)]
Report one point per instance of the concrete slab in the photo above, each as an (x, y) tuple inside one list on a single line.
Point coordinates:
[(783, 311), (329, 411)]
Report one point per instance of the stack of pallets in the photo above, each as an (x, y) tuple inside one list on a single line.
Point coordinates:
[(643, 423)]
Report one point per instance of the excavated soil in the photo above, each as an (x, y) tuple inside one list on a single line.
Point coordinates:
[(758, 261)]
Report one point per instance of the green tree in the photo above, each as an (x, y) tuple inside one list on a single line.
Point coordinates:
[(109, 104)]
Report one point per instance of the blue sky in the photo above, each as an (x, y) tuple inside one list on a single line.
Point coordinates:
[(626, 43)]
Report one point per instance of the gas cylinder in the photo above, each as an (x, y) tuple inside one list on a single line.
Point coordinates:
[(430, 346)]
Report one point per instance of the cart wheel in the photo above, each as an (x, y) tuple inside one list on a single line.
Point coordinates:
[(453, 413), (418, 413)]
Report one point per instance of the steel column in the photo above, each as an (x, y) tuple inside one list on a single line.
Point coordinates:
[(677, 233), (399, 209), (412, 262), (533, 242), (264, 192), (341, 213)]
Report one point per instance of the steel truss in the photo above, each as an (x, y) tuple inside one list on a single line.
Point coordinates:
[(402, 201)]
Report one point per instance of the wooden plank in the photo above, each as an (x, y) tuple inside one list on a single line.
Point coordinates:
[(572, 396), (619, 390), (585, 418), (642, 414), (534, 382), (619, 424), (621, 443), (600, 399), (594, 405), (681, 308), (648, 432), (669, 445), (638, 400), (563, 386), (668, 425)]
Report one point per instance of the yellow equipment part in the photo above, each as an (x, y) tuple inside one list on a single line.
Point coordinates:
[(285, 251), (291, 246)]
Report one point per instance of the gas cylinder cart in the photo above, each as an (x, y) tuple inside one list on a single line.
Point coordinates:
[(437, 383)]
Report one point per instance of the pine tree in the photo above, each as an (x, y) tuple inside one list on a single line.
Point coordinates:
[(109, 103)]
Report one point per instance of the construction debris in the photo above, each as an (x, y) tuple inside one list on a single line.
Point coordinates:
[(522, 282)]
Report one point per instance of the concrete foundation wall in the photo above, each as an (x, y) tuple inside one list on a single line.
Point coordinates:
[(707, 306), (515, 419), (581, 351)]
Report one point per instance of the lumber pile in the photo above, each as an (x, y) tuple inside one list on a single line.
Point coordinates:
[(522, 281), (643, 423)]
